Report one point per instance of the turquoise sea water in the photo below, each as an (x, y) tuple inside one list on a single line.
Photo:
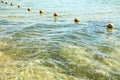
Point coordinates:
[(35, 47)]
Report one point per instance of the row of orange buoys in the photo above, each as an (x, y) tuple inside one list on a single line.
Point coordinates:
[(76, 20)]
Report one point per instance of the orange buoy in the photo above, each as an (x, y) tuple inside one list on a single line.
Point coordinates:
[(29, 9), (41, 11), (55, 14), (110, 25), (11, 4), (76, 20), (6, 2), (2, 1), (18, 6)]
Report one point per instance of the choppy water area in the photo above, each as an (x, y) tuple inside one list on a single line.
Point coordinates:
[(35, 47)]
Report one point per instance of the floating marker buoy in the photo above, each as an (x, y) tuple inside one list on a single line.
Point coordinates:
[(18, 6), (6, 2), (29, 9), (2, 1), (110, 27), (76, 20), (11, 4), (41, 12), (55, 14)]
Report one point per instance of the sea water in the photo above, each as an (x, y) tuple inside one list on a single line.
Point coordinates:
[(36, 47)]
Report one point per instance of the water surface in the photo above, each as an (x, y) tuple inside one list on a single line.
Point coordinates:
[(35, 47)]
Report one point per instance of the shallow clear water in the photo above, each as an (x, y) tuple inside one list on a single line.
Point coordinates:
[(35, 47)]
